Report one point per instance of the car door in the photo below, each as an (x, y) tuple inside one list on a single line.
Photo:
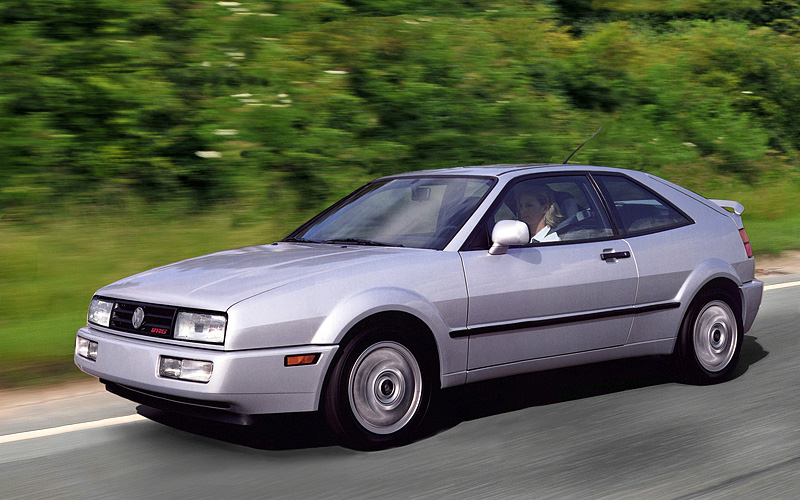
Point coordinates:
[(548, 299), (659, 234)]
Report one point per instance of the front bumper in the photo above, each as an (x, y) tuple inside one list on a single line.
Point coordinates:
[(242, 382)]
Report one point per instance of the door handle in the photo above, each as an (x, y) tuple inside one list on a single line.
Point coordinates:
[(610, 254)]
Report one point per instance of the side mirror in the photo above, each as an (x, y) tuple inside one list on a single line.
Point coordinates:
[(507, 233)]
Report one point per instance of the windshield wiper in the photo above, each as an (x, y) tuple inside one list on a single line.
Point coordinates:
[(361, 241), (293, 239)]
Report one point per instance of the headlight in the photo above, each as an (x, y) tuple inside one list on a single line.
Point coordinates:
[(100, 312), (200, 327)]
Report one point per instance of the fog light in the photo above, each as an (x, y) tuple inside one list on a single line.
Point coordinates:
[(185, 369), (86, 348), (170, 367), (197, 371)]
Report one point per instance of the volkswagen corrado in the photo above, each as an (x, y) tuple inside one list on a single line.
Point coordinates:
[(428, 280)]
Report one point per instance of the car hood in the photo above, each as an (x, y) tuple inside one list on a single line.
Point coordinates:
[(219, 280)]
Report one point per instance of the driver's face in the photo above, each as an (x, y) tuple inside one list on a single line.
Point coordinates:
[(531, 209)]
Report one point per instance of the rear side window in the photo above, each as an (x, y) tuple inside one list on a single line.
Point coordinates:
[(636, 209)]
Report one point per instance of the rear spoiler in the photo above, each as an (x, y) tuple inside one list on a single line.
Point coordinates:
[(737, 207)]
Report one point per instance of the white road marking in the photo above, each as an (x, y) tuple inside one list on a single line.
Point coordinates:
[(782, 285), (22, 436)]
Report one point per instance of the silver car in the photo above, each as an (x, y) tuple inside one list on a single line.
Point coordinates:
[(428, 280)]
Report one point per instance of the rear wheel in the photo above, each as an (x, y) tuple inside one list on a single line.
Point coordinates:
[(379, 389), (710, 340)]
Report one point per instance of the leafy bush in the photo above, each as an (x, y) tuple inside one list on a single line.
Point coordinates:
[(193, 103)]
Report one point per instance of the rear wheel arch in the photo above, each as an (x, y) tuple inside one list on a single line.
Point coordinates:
[(714, 313), (725, 285)]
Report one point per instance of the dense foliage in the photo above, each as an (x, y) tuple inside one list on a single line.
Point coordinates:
[(196, 102)]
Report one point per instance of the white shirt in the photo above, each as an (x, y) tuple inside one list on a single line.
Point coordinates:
[(545, 235)]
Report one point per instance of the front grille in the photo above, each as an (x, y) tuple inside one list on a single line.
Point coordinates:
[(158, 320)]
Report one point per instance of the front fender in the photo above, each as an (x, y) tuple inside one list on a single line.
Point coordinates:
[(367, 303)]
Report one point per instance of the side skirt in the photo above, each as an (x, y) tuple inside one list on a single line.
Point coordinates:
[(655, 347)]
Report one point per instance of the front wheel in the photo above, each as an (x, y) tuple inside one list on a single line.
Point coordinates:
[(710, 339), (378, 391)]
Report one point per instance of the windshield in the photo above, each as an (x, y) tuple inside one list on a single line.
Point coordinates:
[(417, 212)]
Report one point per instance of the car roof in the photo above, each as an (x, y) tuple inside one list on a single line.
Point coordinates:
[(506, 169)]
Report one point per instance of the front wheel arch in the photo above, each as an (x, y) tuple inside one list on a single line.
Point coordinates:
[(403, 337)]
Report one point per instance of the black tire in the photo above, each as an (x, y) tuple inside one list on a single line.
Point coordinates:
[(710, 339), (379, 389)]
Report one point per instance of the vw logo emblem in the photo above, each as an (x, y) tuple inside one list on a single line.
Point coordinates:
[(138, 318)]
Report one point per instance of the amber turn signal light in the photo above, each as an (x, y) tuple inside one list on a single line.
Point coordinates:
[(300, 360)]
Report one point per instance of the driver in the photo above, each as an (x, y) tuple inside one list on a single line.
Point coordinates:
[(537, 207)]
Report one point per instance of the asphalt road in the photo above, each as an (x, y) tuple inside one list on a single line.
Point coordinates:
[(611, 430)]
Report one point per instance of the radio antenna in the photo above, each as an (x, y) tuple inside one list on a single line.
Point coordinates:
[(584, 142)]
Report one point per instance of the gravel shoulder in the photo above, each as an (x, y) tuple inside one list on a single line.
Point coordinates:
[(778, 265)]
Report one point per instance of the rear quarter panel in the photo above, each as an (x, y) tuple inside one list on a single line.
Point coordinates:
[(675, 264)]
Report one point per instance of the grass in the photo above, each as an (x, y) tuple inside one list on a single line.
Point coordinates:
[(49, 271)]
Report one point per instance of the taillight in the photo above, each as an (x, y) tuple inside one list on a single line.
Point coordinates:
[(746, 241)]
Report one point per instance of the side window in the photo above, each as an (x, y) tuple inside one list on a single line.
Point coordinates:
[(636, 209), (562, 208)]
